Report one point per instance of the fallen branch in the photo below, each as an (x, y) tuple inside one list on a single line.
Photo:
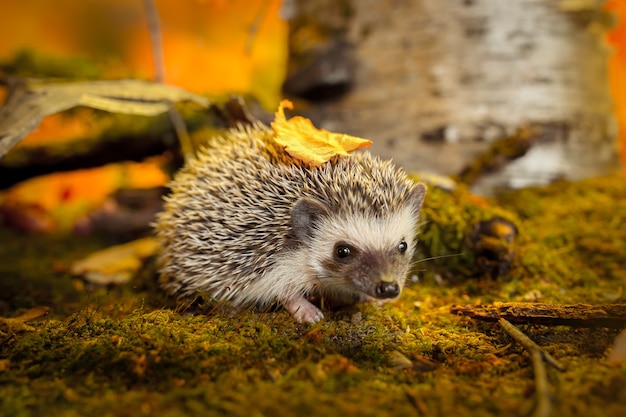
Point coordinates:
[(30, 101), (577, 315)]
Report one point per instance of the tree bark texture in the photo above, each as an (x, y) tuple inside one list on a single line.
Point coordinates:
[(435, 81)]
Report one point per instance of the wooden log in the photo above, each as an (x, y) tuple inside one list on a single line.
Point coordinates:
[(577, 315)]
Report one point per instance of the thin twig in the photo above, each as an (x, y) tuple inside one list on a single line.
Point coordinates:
[(528, 344), (543, 407), (181, 131), (156, 40), (254, 27)]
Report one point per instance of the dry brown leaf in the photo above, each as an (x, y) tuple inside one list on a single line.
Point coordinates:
[(304, 141)]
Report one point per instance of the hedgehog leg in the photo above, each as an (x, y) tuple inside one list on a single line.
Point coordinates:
[(303, 311)]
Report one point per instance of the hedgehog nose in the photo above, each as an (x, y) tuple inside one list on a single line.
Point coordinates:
[(387, 290)]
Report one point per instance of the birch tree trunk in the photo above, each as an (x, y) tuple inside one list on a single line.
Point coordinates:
[(436, 81)]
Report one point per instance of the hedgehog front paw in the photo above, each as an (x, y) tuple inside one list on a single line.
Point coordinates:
[(303, 311)]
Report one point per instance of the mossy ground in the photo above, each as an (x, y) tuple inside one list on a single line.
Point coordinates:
[(130, 351)]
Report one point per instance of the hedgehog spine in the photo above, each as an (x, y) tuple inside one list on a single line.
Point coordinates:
[(248, 224)]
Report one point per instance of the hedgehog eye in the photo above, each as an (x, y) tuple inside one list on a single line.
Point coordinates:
[(402, 247), (343, 251)]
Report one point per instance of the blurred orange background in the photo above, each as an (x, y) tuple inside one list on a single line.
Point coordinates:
[(209, 46), (617, 68), (213, 47)]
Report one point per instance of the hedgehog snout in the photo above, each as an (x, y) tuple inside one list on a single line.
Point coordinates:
[(378, 285), (386, 290)]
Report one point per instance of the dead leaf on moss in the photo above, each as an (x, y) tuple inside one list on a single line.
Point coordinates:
[(420, 363), (117, 264), (399, 360), (618, 354), (30, 102), (304, 141), (18, 324)]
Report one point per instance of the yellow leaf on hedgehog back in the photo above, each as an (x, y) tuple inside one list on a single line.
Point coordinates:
[(304, 141)]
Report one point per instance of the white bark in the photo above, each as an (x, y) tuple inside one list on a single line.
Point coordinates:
[(437, 80)]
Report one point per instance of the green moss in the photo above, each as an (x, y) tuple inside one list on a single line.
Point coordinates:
[(29, 63), (499, 153), (448, 234), (572, 237), (127, 351)]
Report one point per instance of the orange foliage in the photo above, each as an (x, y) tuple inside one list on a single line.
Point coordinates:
[(307, 143), (213, 47), (58, 200), (61, 128), (236, 46), (478, 201), (86, 186), (617, 68)]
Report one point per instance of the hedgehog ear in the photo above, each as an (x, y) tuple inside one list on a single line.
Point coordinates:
[(416, 198), (304, 215)]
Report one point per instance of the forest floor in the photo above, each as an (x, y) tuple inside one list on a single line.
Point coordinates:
[(130, 351)]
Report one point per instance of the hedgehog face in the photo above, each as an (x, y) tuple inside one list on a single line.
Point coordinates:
[(364, 255), (368, 256), (371, 271)]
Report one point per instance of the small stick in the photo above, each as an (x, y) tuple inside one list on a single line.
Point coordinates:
[(183, 134), (156, 39), (543, 407), (254, 27)]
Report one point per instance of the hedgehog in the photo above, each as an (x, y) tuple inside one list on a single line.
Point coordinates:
[(248, 224)]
